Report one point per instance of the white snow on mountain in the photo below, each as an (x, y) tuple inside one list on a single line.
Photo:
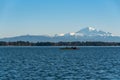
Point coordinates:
[(60, 34), (88, 31)]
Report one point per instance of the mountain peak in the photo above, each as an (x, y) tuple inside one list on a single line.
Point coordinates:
[(87, 29), (90, 28)]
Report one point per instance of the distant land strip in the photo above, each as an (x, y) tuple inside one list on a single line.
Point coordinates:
[(87, 43)]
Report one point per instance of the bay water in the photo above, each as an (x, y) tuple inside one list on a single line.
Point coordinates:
[(52, 63)]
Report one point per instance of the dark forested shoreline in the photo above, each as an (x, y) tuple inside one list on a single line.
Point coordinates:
[(23, 43)]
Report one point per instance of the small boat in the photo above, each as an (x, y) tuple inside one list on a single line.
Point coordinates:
[(69, 48)]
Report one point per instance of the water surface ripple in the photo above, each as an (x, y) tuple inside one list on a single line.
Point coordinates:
[(51, 63)]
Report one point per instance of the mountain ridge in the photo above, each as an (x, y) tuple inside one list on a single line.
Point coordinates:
[(85, 34)]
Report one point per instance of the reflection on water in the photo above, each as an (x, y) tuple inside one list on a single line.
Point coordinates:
[(51, 63)]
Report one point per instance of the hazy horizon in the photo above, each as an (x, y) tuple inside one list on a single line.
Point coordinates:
[(43, 17)]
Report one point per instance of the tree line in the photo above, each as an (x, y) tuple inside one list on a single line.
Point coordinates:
[(87, 43)]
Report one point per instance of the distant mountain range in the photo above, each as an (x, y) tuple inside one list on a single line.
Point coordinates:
[(86, 34)]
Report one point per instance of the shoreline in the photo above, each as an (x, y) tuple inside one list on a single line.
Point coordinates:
[(77, 43)]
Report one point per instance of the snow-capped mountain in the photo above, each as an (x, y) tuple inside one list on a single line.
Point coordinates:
[(88, 31), (86, 34)]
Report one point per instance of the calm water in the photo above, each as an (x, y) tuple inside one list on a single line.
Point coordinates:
[(51, 63)]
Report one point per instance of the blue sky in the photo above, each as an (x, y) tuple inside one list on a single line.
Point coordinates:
[(38, 17)]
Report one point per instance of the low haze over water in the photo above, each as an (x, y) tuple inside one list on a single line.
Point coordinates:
[(51, 63)]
